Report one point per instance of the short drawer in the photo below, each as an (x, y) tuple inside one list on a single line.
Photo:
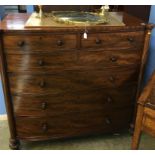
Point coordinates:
[(114, 41), (72, 81), (41, 62), (56, 105), (149, 121), (73, 124), (45, 42)]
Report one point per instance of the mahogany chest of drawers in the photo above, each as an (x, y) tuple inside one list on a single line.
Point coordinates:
[(59, 85)]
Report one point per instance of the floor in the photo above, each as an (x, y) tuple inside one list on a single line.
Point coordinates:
[(105, 142)]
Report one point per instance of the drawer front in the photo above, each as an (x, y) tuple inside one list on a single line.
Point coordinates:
[(72, 60), (73, 124), (55, 105), (46, 42), (113, 41), (109, 59), (41, 63), (73, 81), (149, 121)]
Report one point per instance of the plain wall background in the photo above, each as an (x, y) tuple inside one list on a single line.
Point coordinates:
[(151, 57), (2, 11), (150, 64), (2, 106)]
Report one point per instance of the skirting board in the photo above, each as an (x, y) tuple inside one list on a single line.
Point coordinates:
[(3, 117)]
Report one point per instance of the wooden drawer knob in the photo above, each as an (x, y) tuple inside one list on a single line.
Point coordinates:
[(113, 59), (43, 105), (107, 121), (21, 43), (98, 41), (109, 99), (41, 62), (112, 79), (42, 84), (130, 39), (44, 127), (60, 42)]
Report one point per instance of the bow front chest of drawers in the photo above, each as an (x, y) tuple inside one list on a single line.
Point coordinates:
[(59, 85)]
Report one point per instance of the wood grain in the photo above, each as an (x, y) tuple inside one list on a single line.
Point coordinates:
[(43, 42), (71, 81), (114, 41), (92, 100), (75, 124), (72, 60)]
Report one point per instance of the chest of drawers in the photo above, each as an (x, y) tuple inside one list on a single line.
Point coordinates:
[(59, 85)]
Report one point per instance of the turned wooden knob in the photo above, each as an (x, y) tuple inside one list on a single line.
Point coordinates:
[(113, 59), (43, 105), (41, 62), (44, 127), (98, 41), (60, 42), (42, 84), (107, 120), (130, 39), (21, 43), (112, 79), (109, 99)]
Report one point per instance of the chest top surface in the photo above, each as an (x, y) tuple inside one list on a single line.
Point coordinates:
[(17, 21)]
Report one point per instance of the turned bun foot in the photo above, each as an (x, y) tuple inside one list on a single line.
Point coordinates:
[(14, 144)]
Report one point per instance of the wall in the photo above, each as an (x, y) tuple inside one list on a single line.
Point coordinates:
[(2, 107), (29, 8), (151, 59), (2, 11)]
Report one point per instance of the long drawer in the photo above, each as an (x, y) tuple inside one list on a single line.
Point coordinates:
[(72, 60), (46, 42), (71, 81), (114, 41), (73, 124), (55, 105)]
